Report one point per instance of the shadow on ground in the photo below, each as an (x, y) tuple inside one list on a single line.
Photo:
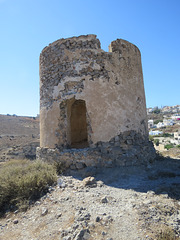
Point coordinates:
[(162, 177)]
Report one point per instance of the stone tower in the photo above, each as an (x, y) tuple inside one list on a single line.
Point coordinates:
[(92, 104)]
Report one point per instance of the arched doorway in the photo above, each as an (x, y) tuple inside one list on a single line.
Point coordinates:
[(78, 123)]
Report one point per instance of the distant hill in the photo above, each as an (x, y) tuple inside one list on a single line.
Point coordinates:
[(15, 125), (19, 136)]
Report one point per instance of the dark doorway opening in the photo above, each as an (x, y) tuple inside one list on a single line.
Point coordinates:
[(78, 123)]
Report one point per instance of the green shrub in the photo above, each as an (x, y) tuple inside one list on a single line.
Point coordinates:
[(156, 142), (167, 135), (151, 138), (157, 121), (168, 146), (157, 111), (178, 146), (23, 181), (60, 167)]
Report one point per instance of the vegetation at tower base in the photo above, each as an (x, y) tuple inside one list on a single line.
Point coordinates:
[(23, 181)]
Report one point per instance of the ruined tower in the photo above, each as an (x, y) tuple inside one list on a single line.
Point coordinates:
[(92, 104)]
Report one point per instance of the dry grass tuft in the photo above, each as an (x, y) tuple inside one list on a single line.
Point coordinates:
[(167, 234), (22, 181)]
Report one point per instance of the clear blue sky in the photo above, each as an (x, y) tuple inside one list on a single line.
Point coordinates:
[(27, 26)]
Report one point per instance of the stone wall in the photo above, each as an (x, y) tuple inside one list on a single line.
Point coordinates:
[(127, 149), (112, 117)]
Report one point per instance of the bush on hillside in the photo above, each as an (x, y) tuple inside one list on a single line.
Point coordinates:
[(24, 181), (157, 121), (167, 135), (157, 111), (168, 146), (151, 138), (156, 142)]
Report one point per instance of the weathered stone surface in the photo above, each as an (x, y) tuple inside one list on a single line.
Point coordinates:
[(89, 181), (91, 98), (15, 221), (44, 211), (27, 151), (104, 200), (134, 152)]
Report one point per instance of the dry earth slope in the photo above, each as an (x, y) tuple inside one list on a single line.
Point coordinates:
[(19, 137)]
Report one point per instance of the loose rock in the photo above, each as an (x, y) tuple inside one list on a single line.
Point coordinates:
[(15, 221), (104, 200), (44, 211), (89, 181)]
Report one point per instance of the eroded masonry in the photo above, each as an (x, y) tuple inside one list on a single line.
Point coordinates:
[(92, 104)]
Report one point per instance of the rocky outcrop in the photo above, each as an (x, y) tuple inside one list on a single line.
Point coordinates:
[(27, 151)]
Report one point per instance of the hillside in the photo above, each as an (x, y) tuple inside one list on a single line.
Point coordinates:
[(19, 137), (138, 202)]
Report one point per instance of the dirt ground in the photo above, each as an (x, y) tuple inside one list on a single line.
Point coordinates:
[(114, 203)]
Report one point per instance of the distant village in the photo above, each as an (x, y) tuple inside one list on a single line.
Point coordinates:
[(164, 127)]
